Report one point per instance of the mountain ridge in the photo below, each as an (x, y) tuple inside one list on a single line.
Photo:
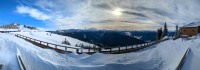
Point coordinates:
[(17, 26)]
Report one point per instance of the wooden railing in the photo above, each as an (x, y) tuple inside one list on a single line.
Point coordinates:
[(21, 64), (117, 50), (181, 63), (48, 44), (128, 49)]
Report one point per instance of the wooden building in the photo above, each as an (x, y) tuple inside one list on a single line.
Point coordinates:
[(190, 29)]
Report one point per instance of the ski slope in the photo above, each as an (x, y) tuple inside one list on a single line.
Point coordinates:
[(54, 38), (157, 57)]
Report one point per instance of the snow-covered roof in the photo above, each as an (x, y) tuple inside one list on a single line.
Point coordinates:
[(193, 24)]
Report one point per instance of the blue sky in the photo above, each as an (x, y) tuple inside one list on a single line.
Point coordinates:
[(9, 15), (100, 14)]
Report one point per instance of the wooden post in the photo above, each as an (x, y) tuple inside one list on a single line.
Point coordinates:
[(89, 50), (65, 48), (119, 49), (55, 46), (99, 50), (77, 50), (47, 44), (132, 47), (126, 48), (110, 50)]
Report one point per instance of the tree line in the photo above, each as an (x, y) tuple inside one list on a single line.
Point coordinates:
[(162, 32)]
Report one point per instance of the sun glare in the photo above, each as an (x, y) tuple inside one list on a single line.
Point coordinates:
[(117, 11)]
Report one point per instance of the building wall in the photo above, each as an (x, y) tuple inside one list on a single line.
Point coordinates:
[(190, 31)]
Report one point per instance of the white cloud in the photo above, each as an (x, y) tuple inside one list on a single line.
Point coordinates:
[(32, 13), (74, 13)]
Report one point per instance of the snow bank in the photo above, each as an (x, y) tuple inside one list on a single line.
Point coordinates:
[(171, 52), (192, 61)]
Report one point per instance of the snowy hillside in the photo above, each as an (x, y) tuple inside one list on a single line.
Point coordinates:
[(15, 26), (163, 56), (157, 57), (105, 38), (53, 38)]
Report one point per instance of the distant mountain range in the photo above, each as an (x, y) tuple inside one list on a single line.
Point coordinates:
[(17, 26), (110, 38), (103, 38)]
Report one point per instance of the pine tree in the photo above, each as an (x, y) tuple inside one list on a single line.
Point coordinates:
[(177, 33), (76, 45), (66, 42), (165, 31), (160, 33), (157, 36)]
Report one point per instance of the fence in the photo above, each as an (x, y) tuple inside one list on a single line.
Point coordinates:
[(128, 49), (47, 44), (118, 50)]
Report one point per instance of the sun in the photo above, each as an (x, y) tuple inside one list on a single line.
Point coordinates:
[(117, 11)]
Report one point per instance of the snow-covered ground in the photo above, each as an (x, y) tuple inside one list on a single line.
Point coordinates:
[(54, 38), (192, 61), (57, 39), (164, 56)]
